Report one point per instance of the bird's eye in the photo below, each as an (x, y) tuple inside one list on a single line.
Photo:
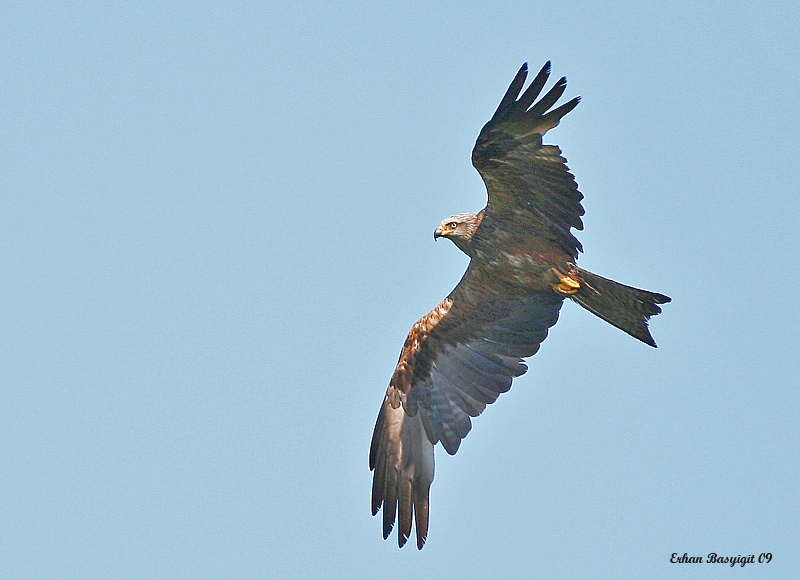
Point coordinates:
[(453, 225)]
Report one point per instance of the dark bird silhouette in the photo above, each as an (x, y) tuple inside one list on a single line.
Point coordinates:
[(459, 357)]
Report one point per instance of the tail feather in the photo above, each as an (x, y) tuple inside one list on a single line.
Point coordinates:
[(625, 307)]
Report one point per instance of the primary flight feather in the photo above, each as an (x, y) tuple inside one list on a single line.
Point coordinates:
[(459, 357)]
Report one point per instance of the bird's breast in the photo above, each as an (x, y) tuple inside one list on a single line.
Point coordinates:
[(529, 268)]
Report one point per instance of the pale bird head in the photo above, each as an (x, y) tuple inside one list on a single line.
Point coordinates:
[(459, 229)]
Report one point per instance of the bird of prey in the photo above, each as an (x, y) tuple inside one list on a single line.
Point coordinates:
[(465, 352)]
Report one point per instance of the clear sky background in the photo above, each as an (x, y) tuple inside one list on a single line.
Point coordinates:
[(217, 230)]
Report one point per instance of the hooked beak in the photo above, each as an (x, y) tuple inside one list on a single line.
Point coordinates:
[(441, 232)]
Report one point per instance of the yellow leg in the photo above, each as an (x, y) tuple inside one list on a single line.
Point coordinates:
[(567, 284)]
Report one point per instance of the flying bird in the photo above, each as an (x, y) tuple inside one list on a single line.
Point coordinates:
[(460, 356)]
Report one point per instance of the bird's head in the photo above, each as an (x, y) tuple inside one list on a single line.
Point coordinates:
[(459, 229)]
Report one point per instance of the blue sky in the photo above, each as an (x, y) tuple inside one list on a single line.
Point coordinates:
[(216, 232)]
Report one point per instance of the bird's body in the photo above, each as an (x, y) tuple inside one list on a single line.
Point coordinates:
[(465, 352)]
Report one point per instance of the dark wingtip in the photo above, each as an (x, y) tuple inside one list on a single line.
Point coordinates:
[(401, 539), (513, 91)]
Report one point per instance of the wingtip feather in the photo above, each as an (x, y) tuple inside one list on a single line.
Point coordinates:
[(545, 68), (421, 519)]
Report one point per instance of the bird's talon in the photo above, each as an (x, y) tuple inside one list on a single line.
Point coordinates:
[(567, 284)]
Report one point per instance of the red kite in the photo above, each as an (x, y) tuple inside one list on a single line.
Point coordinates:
[(460, 356)]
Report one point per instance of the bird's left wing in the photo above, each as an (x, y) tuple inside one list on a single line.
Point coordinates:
[(532, 193), (456, 360)]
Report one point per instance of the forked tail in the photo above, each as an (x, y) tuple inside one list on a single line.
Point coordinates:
[(625, 307)]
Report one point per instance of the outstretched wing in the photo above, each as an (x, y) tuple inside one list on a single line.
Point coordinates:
[(531, 190), (456, 360)]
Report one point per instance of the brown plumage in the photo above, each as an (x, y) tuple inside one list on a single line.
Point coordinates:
[(465, 352)]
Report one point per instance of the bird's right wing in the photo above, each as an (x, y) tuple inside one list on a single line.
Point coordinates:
[(456, 360)]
